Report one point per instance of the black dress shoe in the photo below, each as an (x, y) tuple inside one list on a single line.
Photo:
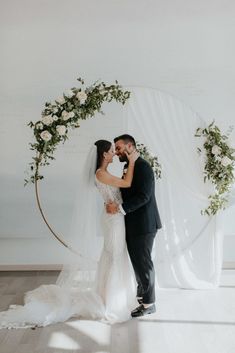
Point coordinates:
[(141, 310)]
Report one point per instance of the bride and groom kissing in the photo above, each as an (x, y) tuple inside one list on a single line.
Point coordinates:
[(125, 273), (132, 220)]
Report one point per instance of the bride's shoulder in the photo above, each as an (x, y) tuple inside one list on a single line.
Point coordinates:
[(100, 174), (103, 176)]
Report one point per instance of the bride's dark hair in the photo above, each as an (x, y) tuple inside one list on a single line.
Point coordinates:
[(102, 146)]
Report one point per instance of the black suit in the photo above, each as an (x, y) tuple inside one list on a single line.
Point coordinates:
[(142, 221)]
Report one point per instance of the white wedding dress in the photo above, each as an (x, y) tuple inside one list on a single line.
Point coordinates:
[(112, 297)]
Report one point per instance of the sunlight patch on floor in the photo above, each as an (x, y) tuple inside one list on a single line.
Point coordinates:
[(61, 340)]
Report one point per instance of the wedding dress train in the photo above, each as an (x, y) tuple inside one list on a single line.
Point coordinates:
[(112, 297)]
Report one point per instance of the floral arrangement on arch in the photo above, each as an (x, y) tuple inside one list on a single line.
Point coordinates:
[(149, 157), (219, 166), (63, 114)]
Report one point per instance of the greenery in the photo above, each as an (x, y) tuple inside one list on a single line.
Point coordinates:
[(63, 114), (219, 166), (153, 160)]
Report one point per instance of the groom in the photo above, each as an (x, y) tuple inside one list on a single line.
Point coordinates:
[(142, 221)]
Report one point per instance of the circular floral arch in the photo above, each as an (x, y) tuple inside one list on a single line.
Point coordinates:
[(80, 103), (60, 117)]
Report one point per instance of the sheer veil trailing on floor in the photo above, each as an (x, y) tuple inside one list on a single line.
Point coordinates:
[(73, 294)]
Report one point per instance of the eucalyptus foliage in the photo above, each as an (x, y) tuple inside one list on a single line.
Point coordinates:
[(219, 166)]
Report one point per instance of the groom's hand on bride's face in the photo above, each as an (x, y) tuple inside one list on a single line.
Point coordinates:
[(112, 208)]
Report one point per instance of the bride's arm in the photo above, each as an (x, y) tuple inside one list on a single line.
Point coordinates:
[(109, 179)]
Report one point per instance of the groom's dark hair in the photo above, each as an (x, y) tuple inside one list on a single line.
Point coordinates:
[(127, 138)]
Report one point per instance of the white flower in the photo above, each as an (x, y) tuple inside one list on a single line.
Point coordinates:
[(61, 129), (109, 96), (67, 115), (69, 93), (81, 96), (216, 150), (71, 114), (39, 126), (226, 161), (218, 158), (45, 135), (55, 110), (47, 120), (60, 100), (102, 90), (55, 117)]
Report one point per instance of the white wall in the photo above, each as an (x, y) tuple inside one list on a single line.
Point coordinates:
[(182, 47)]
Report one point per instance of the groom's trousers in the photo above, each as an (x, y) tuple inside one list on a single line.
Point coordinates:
[(140, 249)]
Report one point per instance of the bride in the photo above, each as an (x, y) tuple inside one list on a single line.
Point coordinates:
[(113, 294)]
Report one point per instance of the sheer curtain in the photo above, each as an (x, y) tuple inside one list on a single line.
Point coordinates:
[(188, 250)]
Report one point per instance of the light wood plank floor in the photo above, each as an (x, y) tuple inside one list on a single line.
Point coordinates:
[(186, 321)]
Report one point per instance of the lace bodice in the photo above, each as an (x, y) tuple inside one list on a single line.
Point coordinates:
[(108, 192)]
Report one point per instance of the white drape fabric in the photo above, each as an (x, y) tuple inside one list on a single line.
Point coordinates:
[(188, 250)]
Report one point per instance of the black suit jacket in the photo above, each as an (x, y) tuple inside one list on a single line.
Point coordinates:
[(139, 201)]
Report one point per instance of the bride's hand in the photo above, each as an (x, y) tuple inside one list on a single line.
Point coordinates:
[(112, 207), (132, 157)]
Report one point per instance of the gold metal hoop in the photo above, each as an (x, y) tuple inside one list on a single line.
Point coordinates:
[(44, 217)]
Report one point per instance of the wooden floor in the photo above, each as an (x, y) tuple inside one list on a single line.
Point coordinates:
[(186, 321)]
